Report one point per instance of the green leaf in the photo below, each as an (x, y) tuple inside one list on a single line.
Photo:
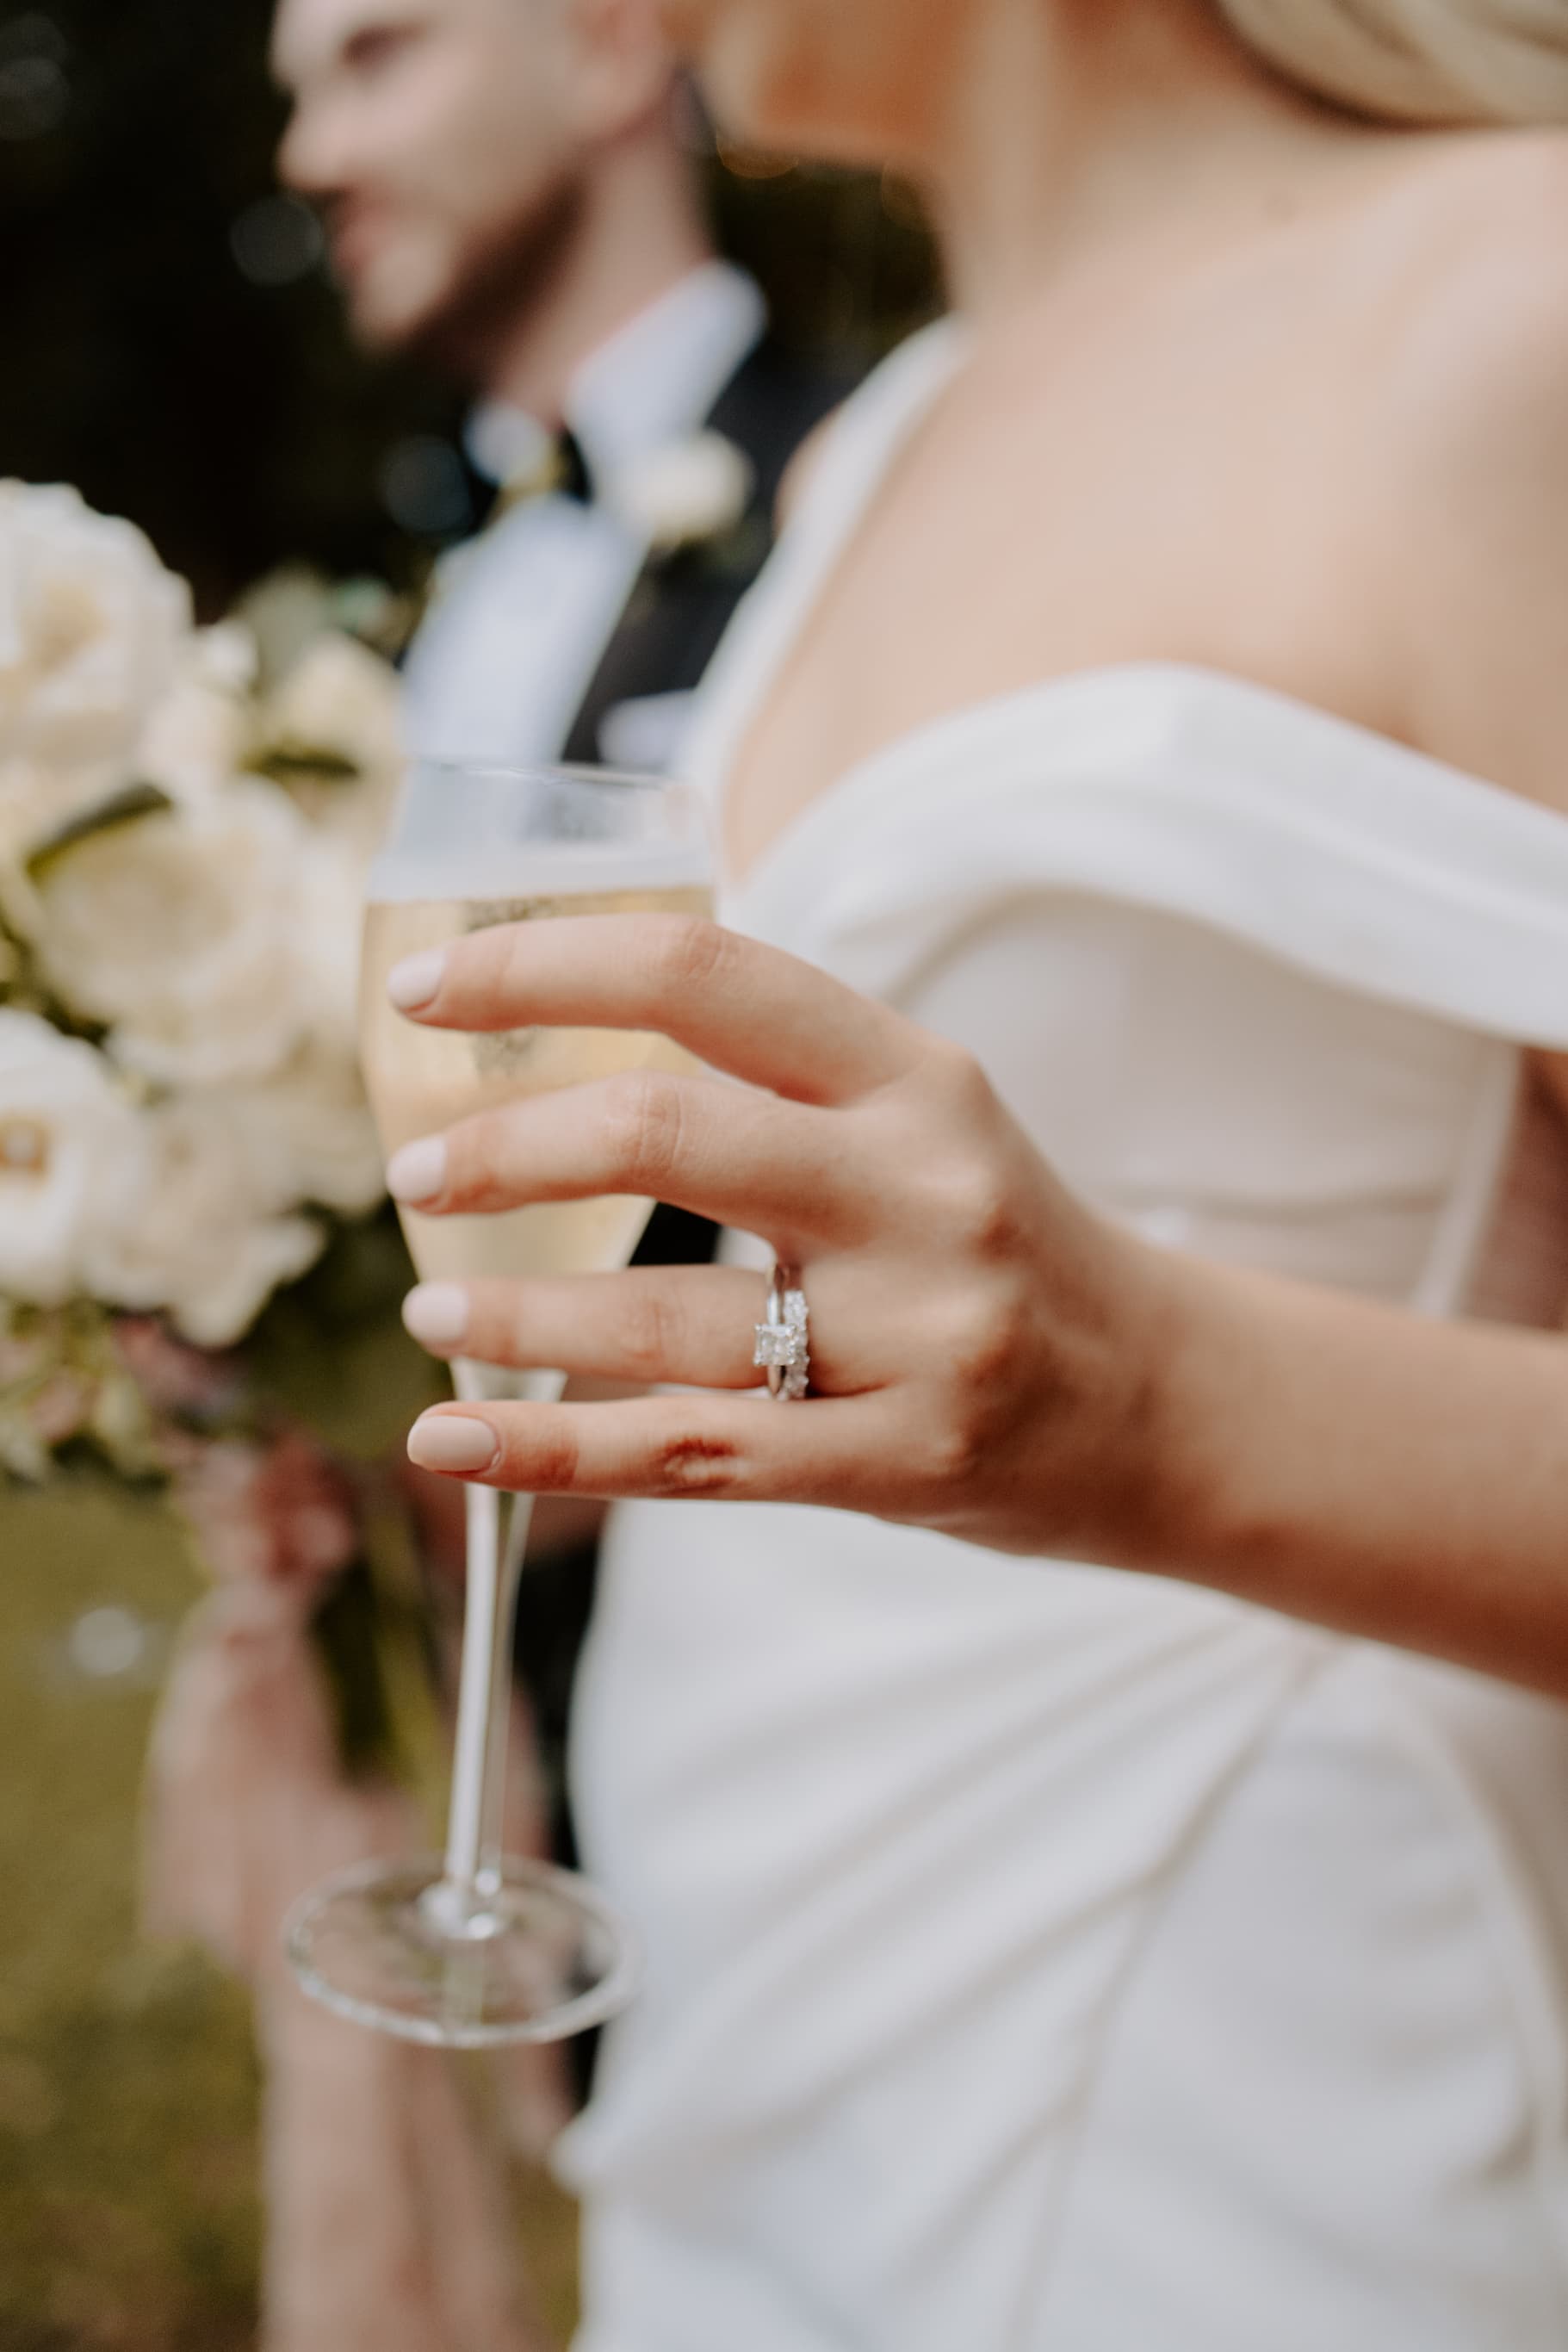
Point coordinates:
[(121, 1426), (132, 803), (330, 1350)]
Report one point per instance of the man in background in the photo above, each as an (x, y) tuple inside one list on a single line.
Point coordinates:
[(508, 199)]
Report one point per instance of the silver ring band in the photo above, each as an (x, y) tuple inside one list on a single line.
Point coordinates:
[(783, 1343)]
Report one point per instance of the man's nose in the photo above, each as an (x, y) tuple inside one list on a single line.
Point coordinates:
[(313, 156)]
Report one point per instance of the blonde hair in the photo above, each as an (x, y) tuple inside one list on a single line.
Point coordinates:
[(1419, 60)]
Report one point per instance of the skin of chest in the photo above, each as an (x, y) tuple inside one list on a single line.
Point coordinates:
[(1196, 451), (1189, 470), (1176, 486)]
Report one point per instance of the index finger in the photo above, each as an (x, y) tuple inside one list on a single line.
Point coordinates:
[(738, 1005)]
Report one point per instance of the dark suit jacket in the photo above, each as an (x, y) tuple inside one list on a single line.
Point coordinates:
[(681, 606)]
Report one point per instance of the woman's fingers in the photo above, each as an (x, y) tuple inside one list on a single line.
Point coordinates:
[(744, 1008), (691, 1324), (720, 1448), (743, 1158)]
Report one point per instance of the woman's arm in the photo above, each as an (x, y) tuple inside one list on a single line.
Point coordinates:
[(988, 1358), (1368, 1469)]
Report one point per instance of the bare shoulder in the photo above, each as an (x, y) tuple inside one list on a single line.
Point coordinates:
[(1465, 411), (1466, 406), (1476, 327)]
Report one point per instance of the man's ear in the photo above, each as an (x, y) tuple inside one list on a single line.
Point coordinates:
[(622, 67)]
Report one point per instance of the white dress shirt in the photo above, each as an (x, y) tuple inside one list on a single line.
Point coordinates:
[(523, 612)]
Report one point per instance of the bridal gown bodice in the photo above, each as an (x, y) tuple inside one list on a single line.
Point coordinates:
[(1042, 1958)]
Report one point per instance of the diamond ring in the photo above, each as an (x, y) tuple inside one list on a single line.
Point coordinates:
[(782, 1344)]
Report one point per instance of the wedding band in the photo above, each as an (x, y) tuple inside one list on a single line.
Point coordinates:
[(782, 1342)]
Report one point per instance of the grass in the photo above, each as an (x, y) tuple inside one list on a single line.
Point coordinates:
[(129, 2212)]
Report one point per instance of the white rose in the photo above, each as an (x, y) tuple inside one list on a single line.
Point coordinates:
[(199, 1233), (68, 1143), (308, 1133), (285, 611), (684, 493), (328, 921), (37, 798), (177, 930), (341, 698), (342, 701), (90, 623), (226, 657), (198, 736)]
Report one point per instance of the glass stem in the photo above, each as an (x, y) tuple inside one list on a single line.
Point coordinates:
[(475, 1824)]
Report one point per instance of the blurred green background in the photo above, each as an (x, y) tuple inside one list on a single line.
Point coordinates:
[(172, 348), (127, 2091)]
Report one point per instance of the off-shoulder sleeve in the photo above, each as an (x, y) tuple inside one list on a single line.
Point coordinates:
[(1323, 846)]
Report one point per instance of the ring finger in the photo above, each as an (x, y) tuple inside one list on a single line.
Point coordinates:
[(689, 1325)]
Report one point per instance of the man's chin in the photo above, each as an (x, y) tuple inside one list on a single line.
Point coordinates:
[(383, 328), (380, 337), (390, 309), (454, 318)]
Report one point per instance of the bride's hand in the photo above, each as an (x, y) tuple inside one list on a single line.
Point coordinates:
[(981, 1348)]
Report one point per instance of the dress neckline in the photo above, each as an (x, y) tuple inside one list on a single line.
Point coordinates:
[(941, 740), (875, 428)]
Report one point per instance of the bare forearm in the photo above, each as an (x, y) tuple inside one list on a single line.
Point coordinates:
[(1366, 1469)]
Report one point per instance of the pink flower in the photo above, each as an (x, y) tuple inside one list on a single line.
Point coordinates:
[(283, 1513), (173, 1377), (60, 1409)]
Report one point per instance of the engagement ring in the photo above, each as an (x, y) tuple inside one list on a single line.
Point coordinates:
[(782, 1344)]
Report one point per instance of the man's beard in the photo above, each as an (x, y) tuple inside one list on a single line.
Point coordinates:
[(505, 276)]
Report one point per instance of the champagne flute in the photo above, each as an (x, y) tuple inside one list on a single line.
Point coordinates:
[(482, 1947)]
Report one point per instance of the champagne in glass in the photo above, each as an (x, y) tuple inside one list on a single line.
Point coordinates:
[(421, 1080), (481, 1947)]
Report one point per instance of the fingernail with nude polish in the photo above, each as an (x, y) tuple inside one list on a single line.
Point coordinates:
[(418, 1172), (436, 1314), (415, 981), (450, 1440)]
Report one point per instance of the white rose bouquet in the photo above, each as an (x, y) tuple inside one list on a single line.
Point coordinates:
[(181, 847), (196, 1262)]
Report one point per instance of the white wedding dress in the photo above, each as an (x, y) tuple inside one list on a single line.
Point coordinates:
[(1047, 1960)]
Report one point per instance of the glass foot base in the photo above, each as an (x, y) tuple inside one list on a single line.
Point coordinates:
[(394, 1945)]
